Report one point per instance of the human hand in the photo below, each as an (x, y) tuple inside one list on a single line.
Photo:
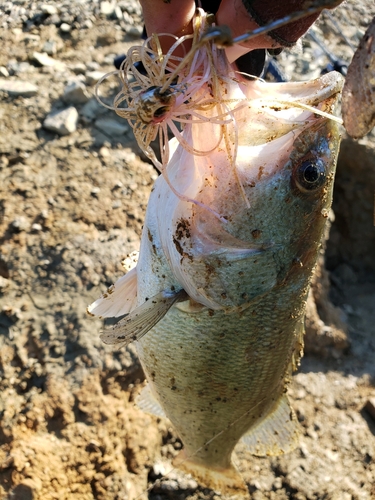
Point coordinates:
[(175, 16)]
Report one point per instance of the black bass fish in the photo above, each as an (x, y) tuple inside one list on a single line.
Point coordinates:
[(217, 298)]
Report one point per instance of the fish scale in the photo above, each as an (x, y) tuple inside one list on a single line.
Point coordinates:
[(209, 394)]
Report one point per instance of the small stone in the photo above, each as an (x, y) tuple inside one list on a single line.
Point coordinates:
[(107, 8), (104, 152), (62, 122), (45, 60), (19, 224), (87, 24), (4, 72), (36, 227), (54, 19), (48, 9), (17, 32), (135, 31), (95, 191), (75, 93), (109, 58), (111, 127), (4, 282), (92, 109), (92, 77), (128, 20), (50, 47), (92, 66), (117, 13), (18, 88), (159, 469), (116, 204), (65, 28), (278, 483), (15, 67), (78, 68)]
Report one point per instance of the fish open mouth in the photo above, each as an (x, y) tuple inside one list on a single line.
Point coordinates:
[(275, 116)]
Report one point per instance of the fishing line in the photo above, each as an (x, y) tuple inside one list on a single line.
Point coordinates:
[(294, 16), (316, 111)]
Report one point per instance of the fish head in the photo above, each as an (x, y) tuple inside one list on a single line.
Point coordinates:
[(273, 205)]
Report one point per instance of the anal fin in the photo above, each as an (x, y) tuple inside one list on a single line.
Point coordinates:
[(276, 434), (147, 402)]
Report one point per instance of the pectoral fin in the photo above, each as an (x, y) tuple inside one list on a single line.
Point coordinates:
[(276, 434), (119, 299), (136, 324), (148, 403)]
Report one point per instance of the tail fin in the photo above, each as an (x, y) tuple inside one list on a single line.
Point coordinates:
[(228, 481)]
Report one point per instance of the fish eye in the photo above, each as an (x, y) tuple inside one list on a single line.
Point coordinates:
[(310, 175)]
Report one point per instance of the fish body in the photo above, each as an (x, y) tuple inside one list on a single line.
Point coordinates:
[(221, 284)]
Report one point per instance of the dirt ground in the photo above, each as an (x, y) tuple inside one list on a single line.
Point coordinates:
[(71, 208)]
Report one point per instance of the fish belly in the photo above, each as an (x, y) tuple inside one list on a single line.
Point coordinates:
[(219, 375)]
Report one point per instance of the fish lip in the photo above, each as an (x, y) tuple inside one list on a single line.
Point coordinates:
[(331, 85), (323, 92)]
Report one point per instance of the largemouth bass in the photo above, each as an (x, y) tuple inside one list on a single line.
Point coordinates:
[(217, 298)]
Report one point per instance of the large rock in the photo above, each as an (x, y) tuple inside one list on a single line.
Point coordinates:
[(92, 110), (18, 88), (76, 93), (62, 122), (44, 60)]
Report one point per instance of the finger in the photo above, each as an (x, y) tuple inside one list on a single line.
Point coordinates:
[(234, 14), (163, 16)]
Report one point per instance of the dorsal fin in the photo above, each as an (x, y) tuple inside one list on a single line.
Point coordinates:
[(120, 298), (276, 434)]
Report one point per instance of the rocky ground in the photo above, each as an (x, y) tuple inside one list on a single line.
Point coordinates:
[(73, 191)]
